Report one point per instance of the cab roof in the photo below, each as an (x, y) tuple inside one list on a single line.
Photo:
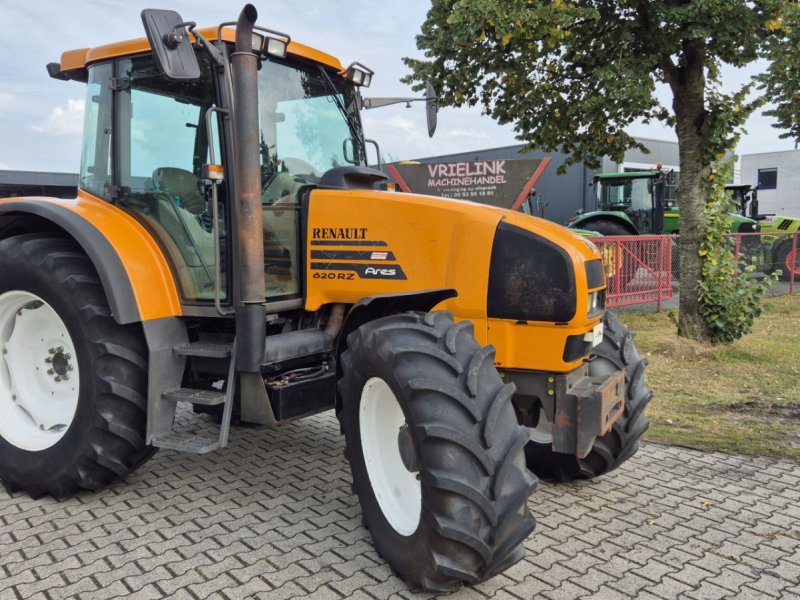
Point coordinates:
[(75, 61)]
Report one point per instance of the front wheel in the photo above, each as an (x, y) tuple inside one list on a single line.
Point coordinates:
[(435, 450), (73, 383), (616, 352)]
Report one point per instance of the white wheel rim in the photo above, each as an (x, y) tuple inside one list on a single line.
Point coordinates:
[(39, 383), (398, 491), (543, 432)]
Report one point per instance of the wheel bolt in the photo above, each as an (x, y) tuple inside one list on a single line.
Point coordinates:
[(58, 378), (65, 377), (48, 360), (67, 356), (52, 351), (60, 349), (69, 367), (50, 371)]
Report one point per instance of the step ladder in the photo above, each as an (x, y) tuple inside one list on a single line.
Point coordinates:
[(200, 443)]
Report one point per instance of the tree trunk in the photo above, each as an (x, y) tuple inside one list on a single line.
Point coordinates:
[(688, 88)]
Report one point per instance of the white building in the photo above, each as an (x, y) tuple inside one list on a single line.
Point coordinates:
[(778, 177)]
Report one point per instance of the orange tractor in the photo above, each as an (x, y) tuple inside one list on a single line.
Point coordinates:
[(229, 248)]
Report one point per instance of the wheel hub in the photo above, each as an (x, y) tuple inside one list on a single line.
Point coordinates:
[(60, 365), (407, 452), (793, 262)]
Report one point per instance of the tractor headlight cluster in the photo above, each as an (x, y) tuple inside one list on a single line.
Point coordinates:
[(359, 74), (530, 278)]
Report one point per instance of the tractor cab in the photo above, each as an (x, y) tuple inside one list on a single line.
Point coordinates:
[(628, 204), (746, 198), (639, 196)]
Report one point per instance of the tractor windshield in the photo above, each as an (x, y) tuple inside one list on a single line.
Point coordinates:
[(308, 124), (625, 193)]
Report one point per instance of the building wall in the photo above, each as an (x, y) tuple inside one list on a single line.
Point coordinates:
[(785, 198)]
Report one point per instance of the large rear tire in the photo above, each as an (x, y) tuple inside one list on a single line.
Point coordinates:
[(616, 352), (73, 382), (435, 450), (787, 259)]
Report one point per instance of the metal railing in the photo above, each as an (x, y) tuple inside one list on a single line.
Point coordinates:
[(645, 269)]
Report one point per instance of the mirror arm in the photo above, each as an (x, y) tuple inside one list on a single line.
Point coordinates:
[(367, 103), (211, 49)]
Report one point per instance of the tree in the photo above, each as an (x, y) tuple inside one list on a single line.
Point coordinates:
[(572, 75)]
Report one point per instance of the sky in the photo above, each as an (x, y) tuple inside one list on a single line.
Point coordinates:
[(41, 118)]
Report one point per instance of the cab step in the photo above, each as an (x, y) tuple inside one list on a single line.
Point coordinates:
[(193, 443), (204, 397), (205, 349), (198, 443)]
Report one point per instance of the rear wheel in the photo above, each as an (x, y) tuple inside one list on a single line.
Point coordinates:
[(616, 352), (787, 259), (435, 450), (73, 383)]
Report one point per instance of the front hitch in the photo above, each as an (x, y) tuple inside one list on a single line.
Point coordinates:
[(586, 408)]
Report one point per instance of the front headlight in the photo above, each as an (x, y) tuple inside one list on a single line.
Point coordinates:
[(530, 278)]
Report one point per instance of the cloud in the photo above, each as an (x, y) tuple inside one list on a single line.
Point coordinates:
[(63, 121), (465, 133), (6, 100)]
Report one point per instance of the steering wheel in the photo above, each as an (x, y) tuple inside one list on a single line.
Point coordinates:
[(295, 174)]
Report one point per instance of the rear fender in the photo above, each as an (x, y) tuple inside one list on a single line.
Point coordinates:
[(136, 278), (585, 221)]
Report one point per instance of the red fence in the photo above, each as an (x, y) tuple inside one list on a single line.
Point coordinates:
[(643, 269), (638, 268)]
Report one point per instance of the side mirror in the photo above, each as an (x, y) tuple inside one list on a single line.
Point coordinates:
[(172, 50), (431, 108)]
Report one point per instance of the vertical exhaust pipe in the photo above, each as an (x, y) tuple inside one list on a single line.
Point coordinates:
[(250, 310)]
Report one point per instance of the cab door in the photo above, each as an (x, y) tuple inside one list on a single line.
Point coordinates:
[(161, 147)]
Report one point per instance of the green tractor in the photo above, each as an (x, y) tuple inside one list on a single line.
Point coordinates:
[(781, 250), (635, 203)]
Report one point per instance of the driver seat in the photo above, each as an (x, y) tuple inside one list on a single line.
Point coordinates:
[(182, 185)]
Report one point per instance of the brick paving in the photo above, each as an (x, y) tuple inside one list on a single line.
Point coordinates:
[(272, 516)]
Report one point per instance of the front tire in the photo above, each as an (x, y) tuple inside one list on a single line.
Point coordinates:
[(616, 352), (73, 383), (435, 450)]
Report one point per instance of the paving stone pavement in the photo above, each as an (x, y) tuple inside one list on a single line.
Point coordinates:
[(273, 517)]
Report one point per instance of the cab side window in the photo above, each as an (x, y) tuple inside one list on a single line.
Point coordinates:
[(163, 147)]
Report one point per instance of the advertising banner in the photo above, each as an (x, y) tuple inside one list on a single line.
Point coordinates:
[(499, 182)]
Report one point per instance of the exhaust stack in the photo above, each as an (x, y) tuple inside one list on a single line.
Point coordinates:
[(250, 309)]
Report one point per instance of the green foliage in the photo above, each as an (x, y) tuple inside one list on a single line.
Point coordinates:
[(572, 75), (781, 82), (730, 298)]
